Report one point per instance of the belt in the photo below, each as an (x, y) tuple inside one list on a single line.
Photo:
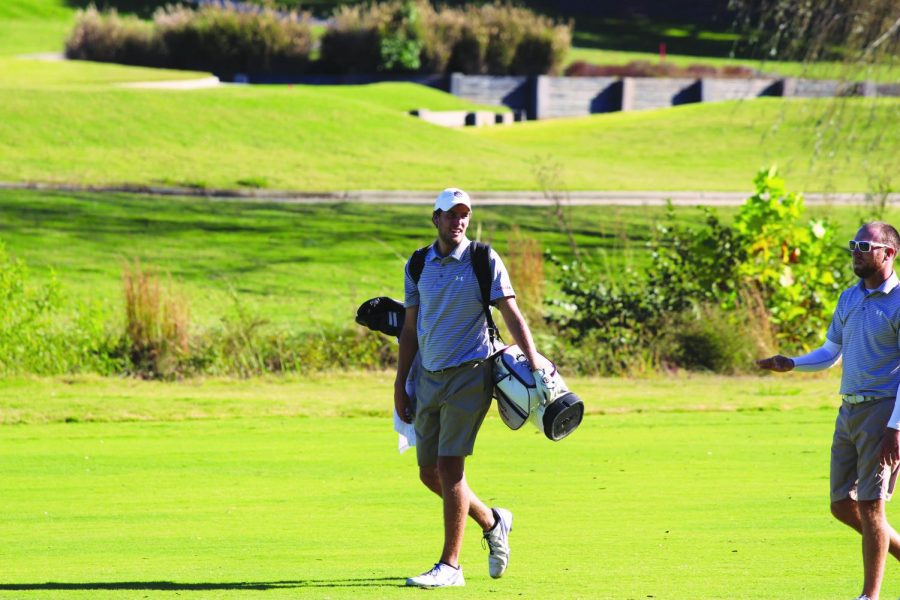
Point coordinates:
[(468, 363), (859, 398)]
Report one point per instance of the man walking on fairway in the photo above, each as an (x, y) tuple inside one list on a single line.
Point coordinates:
[(446, 323), (865, 329)]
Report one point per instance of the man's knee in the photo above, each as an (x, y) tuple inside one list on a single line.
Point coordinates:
[(450, 469), (429, 476), (845, 511)]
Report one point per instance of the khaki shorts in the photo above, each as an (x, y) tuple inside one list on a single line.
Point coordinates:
[(855, 469), (450, 407)]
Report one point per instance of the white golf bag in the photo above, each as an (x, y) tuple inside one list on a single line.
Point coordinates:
[(519, 400)]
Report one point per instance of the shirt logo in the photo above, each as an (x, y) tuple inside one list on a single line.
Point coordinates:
[(458, 278)]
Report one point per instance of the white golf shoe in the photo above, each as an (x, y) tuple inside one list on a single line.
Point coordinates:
[(440, 575), (498, 542)]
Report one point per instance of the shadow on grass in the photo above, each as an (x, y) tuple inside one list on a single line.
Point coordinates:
[(170, 586)]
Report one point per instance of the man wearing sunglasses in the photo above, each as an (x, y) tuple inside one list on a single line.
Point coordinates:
[(865, 451)]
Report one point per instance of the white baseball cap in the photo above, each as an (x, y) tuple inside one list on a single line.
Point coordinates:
[(450, 198)]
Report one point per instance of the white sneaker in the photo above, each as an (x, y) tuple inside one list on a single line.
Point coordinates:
[(440, 576), (498, 542)]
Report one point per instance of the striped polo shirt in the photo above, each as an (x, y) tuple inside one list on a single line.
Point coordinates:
[(451, 325), (866, 324)]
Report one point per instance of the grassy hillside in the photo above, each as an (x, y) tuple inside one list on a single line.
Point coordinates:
[(319, 138), (347, 138)]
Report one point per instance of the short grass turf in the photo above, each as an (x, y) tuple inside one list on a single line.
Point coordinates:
[(712, 504), (298, 266), (361, 137)]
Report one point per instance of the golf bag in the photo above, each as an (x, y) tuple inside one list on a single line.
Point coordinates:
[(519, 400)]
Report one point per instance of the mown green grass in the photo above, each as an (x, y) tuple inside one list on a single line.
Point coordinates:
[(86, 398), (299, 265), (30, 72), (33, 26), (302, 266), (311, 138), (657, 504)]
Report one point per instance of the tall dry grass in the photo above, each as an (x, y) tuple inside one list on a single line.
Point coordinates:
[(525, 263), (157, 323)]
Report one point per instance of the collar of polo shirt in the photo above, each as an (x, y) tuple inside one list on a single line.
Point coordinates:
[(456, 253), (885, 288)]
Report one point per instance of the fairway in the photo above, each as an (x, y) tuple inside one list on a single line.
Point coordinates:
[(640, 505)]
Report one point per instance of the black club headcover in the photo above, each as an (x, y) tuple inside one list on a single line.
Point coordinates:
[(382, 314)]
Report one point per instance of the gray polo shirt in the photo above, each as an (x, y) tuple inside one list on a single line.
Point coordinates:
[(451, 325), (867, 326)]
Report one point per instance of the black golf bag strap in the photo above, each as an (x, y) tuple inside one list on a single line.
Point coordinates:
[(481, 264)]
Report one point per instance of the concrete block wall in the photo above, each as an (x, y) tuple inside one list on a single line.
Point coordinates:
[(576, 96), (811, 88), (717, 90), (643, 93), (513, 92)]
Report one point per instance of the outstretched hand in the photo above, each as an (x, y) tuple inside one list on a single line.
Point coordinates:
[(777, 363)]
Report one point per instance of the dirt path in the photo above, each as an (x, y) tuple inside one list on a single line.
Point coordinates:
[(527, 198)]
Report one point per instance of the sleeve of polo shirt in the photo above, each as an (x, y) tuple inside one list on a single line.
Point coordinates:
[(410, 289), (501, 286), (836, 329)]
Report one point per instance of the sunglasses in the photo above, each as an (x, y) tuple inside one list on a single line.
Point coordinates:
[(866, 246)]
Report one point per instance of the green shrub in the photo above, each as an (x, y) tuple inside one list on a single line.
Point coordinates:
[(38, 336), (108, 37), (208, 39), (411, 36), (351, 44), (401, 39), (798, 268), (709, 339), (399, 36), (228, 41), (716, 293)]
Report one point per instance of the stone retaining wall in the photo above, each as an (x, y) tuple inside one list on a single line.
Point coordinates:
[(545, 97)]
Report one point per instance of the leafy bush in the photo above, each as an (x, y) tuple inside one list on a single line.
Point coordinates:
[(716, 293), (401, 39), (500, 39), (108, 37), (228, 41), (351, 44), (208, 39), (398, 36), (38, 336), (799, 270)]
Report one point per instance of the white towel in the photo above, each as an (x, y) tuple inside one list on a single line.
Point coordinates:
[(406, 438)]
